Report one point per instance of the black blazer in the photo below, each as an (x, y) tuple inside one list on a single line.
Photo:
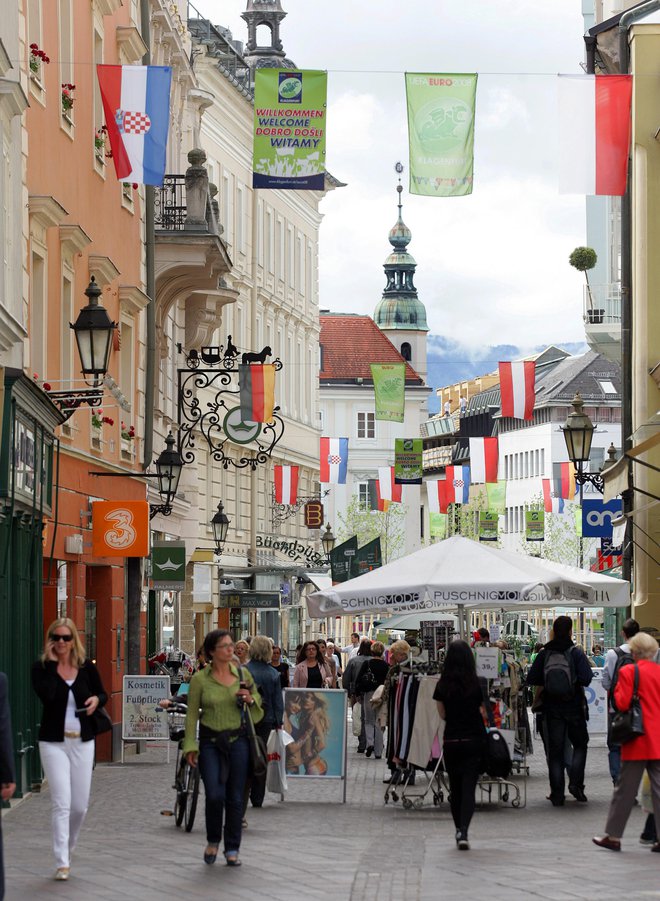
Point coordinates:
[(53, 692), (7, 772)]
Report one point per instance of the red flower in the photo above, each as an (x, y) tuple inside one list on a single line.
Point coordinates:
[(108, 420), (135, 186), (47, 386), (46, 59), (35, 376), (34, 46)]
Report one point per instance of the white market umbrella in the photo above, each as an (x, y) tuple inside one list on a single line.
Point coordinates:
[(408, 621), (460, 573)]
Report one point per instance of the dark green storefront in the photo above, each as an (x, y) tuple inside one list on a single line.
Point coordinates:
[(27, 424)]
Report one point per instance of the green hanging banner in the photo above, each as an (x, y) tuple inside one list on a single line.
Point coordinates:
[(496, 492), (488, 524), (408, 461), (441, 133), (438, 525), (389, 390), (341, 560), (534, 525), (289, 129)]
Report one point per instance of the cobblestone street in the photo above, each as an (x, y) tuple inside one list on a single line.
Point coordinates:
[(314, 846)]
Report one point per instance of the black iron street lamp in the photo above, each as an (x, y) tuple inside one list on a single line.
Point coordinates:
[(168, 472), (578, 435), (220, 526), (93, 330), (328, 541)]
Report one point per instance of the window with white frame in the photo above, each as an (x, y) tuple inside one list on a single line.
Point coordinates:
[(363, 495), (66, 350), (65, 9), (38, 314), (366, 424)]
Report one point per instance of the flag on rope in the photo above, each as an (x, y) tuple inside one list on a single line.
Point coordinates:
[(333, 460), (286, 484), (388, 488), (483, 460), (551, 504), (594, 133), (136, 103), (517, 388), (458, 484), (256, 386), (376, 500), (563, 480), (436, 491)]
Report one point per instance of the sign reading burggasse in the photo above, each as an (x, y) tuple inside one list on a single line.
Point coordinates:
[(293, 549), (141, 718)]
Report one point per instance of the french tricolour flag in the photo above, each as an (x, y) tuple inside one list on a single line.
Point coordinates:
[(594, 133), (286, 484), (136, 102), (387, 487), (333, 461), (458, 484), (517, 388), (551, 504), (436, 491), (483, 460)]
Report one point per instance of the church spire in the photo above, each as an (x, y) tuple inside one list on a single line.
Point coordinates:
[(267, 13)]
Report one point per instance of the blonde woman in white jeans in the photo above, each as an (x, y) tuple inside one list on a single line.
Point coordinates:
[(70, 689)]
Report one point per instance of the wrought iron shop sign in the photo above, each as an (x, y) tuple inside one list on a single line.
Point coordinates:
[(295, 550)]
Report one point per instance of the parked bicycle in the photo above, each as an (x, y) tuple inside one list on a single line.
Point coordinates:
[(186, 777)]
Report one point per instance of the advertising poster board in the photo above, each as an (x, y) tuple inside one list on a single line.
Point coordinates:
[(597, 703), (315, 718), (140, 720)]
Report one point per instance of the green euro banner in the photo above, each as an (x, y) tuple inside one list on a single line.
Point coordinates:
[(389, 390), (488, 524), (496, 492), (441, 133), (408, 461), (438, 525), (289, 129), (534, 525)]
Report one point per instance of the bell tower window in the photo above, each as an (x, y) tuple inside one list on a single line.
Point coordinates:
[(406, 351)]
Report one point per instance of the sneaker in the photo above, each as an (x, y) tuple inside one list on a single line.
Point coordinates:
[(462, 841), (369, 752), (61, 874), (646, 841), (578, 793)]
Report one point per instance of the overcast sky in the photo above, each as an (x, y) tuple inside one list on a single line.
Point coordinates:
[(492, 267)]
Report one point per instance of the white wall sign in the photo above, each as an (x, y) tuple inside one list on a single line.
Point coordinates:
[(140, 718)]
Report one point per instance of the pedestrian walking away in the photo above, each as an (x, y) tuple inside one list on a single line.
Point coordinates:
[(220, 697), (460, 700), (563, 672), (615, 659), (640, 753), (268, 682), (70, 690), (7, 773), (349, 681), (372, 675)]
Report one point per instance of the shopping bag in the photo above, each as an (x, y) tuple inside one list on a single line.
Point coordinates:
[(276, 772), (357, 719), (497, 763)]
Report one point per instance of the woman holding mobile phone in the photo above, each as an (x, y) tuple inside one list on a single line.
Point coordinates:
[(70, 689)]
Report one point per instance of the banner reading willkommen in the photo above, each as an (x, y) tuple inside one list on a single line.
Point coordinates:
[(289, 129), (441, 133)]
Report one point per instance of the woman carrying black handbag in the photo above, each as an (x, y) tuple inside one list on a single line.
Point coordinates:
[(643, 751), (226, 696)]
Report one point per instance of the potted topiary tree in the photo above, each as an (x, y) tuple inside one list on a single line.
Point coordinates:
[(583, 259)]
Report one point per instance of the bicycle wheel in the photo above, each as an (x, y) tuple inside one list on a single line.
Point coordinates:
[(192, 794), (181, 796)]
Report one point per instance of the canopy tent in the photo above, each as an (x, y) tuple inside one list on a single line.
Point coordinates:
[(458, 573), (409, 621)]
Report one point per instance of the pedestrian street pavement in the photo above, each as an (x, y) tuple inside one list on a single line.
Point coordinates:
[(314, 847)]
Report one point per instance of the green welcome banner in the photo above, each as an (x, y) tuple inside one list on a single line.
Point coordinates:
[(389, 389), (438, 525), (289, 129), (496, 492), (488, 523), (534, 525), (408, 461), (441, 133)]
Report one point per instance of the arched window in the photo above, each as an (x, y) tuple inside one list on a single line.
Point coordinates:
[(406, 351)]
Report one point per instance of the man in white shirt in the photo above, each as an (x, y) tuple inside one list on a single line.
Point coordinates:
[(352, 649), (629, 628)]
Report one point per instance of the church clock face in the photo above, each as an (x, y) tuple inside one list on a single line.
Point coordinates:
[(238, 431)]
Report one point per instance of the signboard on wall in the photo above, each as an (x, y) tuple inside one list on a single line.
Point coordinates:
[(168, 565), (141, 719), (120, 529)]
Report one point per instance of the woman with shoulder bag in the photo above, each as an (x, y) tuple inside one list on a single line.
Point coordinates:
[(372, 675), (221, 697), (70, 689), (636, 684)]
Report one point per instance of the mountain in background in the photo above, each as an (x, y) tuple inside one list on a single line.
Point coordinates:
[(450, 361)]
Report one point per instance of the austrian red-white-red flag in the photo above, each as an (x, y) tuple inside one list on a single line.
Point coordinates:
[(594, 133), (483, 460), (286, 484), (436, 491), (387, 487), (517, 388)]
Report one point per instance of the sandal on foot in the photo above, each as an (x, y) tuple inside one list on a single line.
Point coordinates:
[(210, 856), (232, 859)]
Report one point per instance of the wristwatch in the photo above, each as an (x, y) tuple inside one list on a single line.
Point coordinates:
[(251, 702)]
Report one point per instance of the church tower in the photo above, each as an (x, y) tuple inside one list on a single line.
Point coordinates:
[(400, 314), (266, 14)]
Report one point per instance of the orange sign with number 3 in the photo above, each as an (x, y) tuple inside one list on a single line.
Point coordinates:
[(120, 529)]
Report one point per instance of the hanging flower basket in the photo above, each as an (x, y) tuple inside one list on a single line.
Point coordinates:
[(37, 57), (67, 97), (127, 432)]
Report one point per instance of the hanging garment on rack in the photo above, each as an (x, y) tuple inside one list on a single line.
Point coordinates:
[(428, 728)]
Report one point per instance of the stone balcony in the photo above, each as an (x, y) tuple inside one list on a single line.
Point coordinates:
[(602, 320)]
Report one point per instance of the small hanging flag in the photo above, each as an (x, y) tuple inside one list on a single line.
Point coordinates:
[(333, 463), (388, 488), (436, 491), (483, 460), (517, 388), (594, 133), (551, 504), (458, 484), (563, 480), (136, 103), (286, 484), (256, 384)]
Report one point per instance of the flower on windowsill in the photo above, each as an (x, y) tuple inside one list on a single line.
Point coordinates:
[(67, 97), (98, 419), (99, 139), (37, 57), (127, 432)]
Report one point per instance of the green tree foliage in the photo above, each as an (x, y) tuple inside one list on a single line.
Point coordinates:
[(368, 524)]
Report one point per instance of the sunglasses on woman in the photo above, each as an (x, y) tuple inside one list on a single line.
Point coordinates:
[(61, 637)]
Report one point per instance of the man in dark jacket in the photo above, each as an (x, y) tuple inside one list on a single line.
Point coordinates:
[(7, 773), (270, 689), (559, 664)]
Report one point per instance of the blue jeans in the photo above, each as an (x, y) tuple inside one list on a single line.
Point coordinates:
[(224, 797)]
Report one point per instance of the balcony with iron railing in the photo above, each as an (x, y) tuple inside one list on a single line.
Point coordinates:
[(186, 203), (602, 319)]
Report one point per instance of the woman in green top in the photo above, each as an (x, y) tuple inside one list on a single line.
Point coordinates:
[(220, 696)]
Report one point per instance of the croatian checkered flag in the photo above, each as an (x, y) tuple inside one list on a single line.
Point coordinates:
[(333, 462)]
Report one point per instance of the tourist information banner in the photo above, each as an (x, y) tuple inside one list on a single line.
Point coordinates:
[(389, 390), (289, 129), (441, 133)]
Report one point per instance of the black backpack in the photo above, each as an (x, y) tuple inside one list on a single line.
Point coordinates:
[(366, 681), (559, 678), (623, 658)]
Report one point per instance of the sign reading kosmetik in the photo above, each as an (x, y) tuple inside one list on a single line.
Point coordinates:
[(293, 549), (141, 718)]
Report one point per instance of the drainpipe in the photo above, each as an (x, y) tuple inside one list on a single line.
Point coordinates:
[(254, 479), (626, 20), (149, 242)]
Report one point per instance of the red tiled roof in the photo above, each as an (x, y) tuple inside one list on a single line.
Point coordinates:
[(350, 343)]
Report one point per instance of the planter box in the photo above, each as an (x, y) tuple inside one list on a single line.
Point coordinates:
[(595, 317)]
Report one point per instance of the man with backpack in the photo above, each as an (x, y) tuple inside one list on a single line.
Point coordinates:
[(614, 660), (563, 671)]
